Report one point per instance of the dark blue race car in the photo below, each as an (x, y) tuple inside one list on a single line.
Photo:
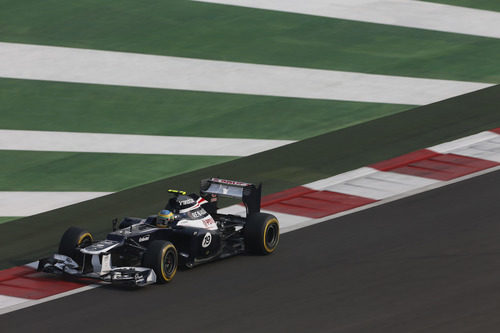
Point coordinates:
[(189, 231)]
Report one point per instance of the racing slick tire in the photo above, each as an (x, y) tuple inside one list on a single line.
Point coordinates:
[(162, 257), (262, 233), (73, 239)]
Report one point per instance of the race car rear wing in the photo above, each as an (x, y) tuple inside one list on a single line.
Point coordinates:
[(250, 194)]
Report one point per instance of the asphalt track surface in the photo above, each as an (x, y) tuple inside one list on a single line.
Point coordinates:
[(426, 263)]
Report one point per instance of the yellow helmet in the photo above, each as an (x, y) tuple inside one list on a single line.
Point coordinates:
[(164, 219)]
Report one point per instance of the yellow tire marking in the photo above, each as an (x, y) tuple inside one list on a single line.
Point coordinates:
[(265, 232), (82, 237), (163, 263)]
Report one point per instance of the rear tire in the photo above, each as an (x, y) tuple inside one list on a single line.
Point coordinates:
[(162, 257), (72, 240), (262, 233)]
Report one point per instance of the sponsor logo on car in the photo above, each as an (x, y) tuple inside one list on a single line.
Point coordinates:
[(208, 222), (186, 202), (197, 213), (229, 182)]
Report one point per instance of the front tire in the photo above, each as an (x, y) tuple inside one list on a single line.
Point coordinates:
[(262, 233), (72, 240), (162, 257)]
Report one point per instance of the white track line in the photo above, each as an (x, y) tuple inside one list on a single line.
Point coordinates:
[(133, 144), (381, 185), (321, 184), (27, 302), (20, 203), (468, 141), (10, 301), (405, 13), (487, 149), (51, 63)]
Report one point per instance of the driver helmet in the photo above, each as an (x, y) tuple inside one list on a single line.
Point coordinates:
[(164, 219)]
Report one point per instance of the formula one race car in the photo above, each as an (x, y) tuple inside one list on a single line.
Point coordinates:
[(188, 232)]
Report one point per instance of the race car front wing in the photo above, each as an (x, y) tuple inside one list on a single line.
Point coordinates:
[(127, 276)]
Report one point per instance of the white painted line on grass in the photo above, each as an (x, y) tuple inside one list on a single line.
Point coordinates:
[(404, 13), (22, 203), (133, 144), (34, 62)]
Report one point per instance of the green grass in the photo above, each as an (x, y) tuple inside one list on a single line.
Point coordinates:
[(201, 30), (39, 105), (478, 4), (4, 219), (54, 171)]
